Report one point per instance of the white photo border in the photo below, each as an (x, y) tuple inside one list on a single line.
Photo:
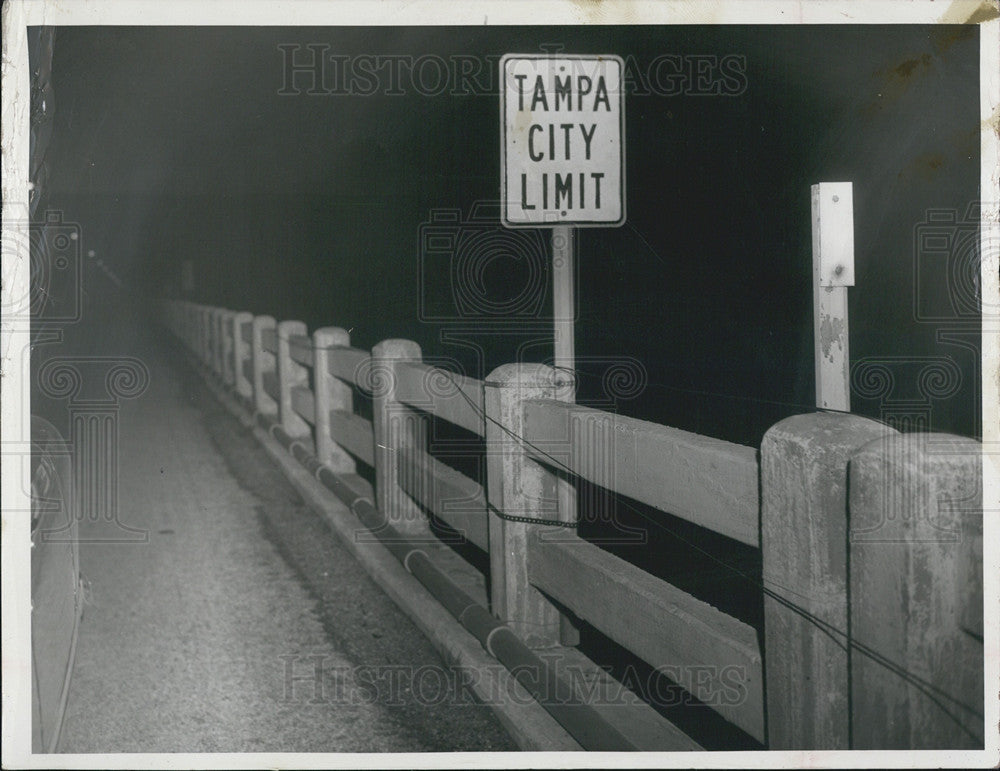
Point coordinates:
[(15, 405)]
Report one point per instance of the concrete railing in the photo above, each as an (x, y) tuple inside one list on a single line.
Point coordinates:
[(870, 540)]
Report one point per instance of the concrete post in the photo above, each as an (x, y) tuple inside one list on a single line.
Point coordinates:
[(331, 393), (194, 329), (263, 361), (518, 486), (206, 327), (916, 593), (208, 338), (395, 426), (241, 353), (191, 327), (228, 343), (804, 550), (197, 332), (291, 374), (203, 335), (218, 342)]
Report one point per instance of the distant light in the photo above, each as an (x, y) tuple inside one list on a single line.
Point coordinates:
[(91, 253)]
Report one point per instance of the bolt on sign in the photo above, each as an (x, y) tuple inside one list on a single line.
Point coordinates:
[(563, 153)]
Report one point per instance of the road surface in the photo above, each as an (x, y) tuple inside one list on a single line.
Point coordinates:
[(234, 621)]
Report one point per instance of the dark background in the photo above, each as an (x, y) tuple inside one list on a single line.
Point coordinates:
[(173, 144)]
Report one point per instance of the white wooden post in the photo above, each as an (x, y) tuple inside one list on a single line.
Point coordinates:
[(833, 272), (395, 426), (263, 361), (291, 374), (241, 354), (520, 487), (331, 393), (564, 319)]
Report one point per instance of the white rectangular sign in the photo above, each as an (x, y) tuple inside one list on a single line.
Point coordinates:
[(562, 121)]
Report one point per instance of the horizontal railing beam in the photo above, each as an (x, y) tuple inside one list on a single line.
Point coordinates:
[(352, 365), (715, 656), (269, 340), (354, 434), (300, 348), (304, 403), (447, 395), (710, 482), (449, 494), (617, 705), (269, 381)]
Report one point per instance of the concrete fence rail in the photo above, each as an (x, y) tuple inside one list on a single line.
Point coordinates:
[(870, 540)]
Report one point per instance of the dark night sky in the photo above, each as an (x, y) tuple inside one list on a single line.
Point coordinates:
[(175, 143)]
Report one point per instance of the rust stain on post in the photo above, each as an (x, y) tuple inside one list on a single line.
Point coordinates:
[(831, 330)]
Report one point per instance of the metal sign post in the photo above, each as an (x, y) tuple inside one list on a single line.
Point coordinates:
[(563, 316), (562, 123), (563, 308)]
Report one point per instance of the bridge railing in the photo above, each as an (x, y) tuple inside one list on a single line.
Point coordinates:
[(870, 540), (710, 482)]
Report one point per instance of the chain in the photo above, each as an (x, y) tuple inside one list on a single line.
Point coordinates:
[(530, 520)]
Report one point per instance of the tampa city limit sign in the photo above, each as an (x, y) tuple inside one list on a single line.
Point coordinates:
[(563, 154)]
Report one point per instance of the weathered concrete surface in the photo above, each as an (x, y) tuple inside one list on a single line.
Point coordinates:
[(804, 461), (916, 589), (210, 636)]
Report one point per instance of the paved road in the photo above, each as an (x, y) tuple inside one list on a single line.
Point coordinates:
[(241, 625)]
